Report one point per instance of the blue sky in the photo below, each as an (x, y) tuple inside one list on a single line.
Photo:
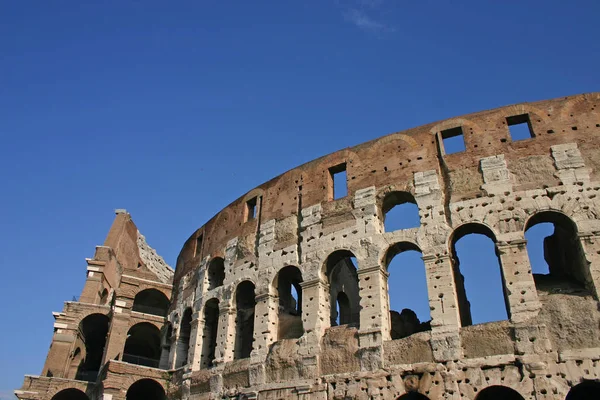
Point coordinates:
[(172, 110)]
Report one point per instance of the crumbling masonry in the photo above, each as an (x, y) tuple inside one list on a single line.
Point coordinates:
[(284, 293)]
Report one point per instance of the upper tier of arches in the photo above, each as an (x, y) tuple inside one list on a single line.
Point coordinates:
[(393, 160)]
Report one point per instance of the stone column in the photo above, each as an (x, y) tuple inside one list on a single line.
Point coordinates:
[(117, 336), (443, 304), (315, 319), (519, 286), (265, 325), (196, 335), (374, 316), (225, 335), (590, 244)]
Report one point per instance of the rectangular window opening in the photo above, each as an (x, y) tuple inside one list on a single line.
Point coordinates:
[(198, 245), (453, 140), (251, 209), (338, 182), (519, 127)]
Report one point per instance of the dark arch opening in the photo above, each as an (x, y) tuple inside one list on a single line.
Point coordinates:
[(245, 301), (209, 335), (555, 254), (146, 389), (216, 273), (342, 277), (183, 343), (92, 331), (400, 211), (480, 288), (586, 390), (104, 296), (407, 290), (499, 393), (70, 394), (289, 292), (413, 396), (142, 346), (151, 301)]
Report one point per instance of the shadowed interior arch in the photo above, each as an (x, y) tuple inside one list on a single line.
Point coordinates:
[(70, 394), (245, 301), (499, 393), (586, 390), (92, 332), (142, 346), (146, 389), (183, 341), (209, 334), (555, 253), (342, 277), (151, 301), (289, 292), (216, 273)]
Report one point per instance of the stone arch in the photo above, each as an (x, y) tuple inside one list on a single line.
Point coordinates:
[(210, 314), (151, 301), (464, 305), (562, 251), (91, 337), (342, 276), (406, 322), (142, 346), (70, 394), (146, 389), (245, 304), (215, 273), (289, 319), (586, 390), (399, 210), (183, 338), (572, 103), (413, 396), (498, 392)]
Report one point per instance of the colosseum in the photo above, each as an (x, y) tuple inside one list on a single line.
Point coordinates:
[(284, 293)]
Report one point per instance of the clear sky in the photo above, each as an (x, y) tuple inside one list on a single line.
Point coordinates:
[(174, 109)]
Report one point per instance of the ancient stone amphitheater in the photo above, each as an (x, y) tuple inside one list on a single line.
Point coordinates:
[(284, 293)]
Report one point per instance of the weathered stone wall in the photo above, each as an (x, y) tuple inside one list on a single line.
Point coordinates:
[(497, 186)]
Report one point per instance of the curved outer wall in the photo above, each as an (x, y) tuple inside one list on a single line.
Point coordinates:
[(496, 182)]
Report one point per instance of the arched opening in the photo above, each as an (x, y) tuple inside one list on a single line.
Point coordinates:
[(146, 389), (216, 273), (555, 253), (290, 303), (142, 346), (478, 278), (151, 301), (413, 396), (104, 296), (407, 291), (92, 332), (499, 393), (209, 334), (70, 394), (245, 301), (343, 278), (400, 211), (586, 390), (183, 342)]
